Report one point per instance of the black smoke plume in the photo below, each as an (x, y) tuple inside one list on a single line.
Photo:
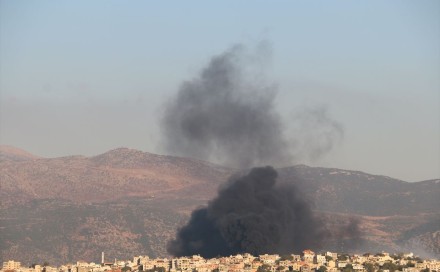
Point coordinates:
[(252, 214), (227, 115)]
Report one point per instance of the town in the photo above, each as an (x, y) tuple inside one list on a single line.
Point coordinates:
[(309, 261)]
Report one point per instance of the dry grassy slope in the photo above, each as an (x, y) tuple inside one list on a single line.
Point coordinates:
[(10, 153), (58, 231), (117, 173), (338, 190), (126, 202)]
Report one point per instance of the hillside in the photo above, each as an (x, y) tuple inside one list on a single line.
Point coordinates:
[(119, 173), (10, 153), (336, 190), (127, 202)]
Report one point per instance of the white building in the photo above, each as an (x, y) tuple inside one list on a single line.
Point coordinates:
[(11, 265)]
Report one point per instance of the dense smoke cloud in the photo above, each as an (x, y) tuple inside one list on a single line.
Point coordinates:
[(227, 115), (252, 214)]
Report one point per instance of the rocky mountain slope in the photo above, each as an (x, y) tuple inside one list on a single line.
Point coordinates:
[(119, 173), (127, 202), (10, 153), (336, 190)]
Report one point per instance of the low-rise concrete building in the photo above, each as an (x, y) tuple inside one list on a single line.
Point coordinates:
[(11, 265)]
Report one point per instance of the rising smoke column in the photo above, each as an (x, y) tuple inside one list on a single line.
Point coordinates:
[(227, 115), (252, 214)]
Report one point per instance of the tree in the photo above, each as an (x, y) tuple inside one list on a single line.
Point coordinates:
[(390, 266), (125, 269), (322, 269), (348, 268), (369, 267), (263, 268), (342, 257), (397, 256), (328, 258), (418, 259)]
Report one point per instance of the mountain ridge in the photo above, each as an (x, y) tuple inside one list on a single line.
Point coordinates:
[(8, 149), (127, 202), (8, 152)]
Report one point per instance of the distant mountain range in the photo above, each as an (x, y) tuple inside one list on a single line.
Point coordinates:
[(127, 202)]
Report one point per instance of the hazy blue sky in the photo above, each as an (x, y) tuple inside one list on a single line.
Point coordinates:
[(83, 77)]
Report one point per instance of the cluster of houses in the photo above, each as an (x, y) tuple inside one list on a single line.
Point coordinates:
[(307, 262)]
